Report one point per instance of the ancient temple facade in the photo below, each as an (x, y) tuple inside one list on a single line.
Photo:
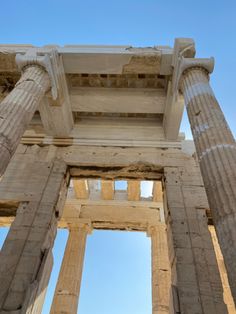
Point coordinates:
[(73, 121)]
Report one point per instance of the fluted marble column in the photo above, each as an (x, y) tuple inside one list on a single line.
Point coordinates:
[(161, 278), (216, 151), (17, 109), (67, 291)]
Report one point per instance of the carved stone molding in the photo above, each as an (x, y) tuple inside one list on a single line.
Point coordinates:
[(55, 108), (188, 63), (81, 224), (50, 62), (154, 228), (183, 59)]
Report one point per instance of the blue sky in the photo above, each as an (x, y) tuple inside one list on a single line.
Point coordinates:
[(138, 23), (116, 273)]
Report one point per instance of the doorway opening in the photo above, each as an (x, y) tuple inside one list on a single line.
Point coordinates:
[(117, 274)]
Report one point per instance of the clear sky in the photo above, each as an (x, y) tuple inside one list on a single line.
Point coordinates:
[(138, 23)]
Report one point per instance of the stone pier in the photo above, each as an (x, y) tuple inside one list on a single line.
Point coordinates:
[(67, 291), (26, 256), (195, 273)]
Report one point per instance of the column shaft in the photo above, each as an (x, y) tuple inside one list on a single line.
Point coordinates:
[(161, 281), (17, 109), (216, 151), (67, 291)]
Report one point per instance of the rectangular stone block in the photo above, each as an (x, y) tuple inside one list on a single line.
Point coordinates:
[(186, 273), (174, 196), (179, 226), (181, 241), (184, 255), (178, 213), (195, 197)]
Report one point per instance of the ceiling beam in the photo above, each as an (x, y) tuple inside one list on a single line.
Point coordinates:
[(107, 189), (157, 194), (100, 202), (113, 214), (118, 100), (81, 188), (133, 190)]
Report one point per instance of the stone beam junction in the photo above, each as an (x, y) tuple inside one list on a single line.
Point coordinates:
[(76, 119)]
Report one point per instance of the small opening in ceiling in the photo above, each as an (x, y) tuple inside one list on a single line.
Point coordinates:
[(120, 185), (146, 189)]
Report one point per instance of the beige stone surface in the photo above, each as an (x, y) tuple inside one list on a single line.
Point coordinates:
[(25, 258), (81, 188), (157, 191), (107, 189), (134, 190), (195, 272), (189, 246), (161, 270)]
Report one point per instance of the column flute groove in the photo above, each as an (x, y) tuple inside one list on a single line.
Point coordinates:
[(216, 151), (205, 143), (17, 109)]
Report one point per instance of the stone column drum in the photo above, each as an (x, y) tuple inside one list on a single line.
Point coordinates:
[(216, 151), (17, 109), (67, 291), (161, 279)]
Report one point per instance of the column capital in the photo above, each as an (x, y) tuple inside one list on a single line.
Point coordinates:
[(186, 64), (183, 59), (51, 63), (84, 224), (190, 63), (154, 228)]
